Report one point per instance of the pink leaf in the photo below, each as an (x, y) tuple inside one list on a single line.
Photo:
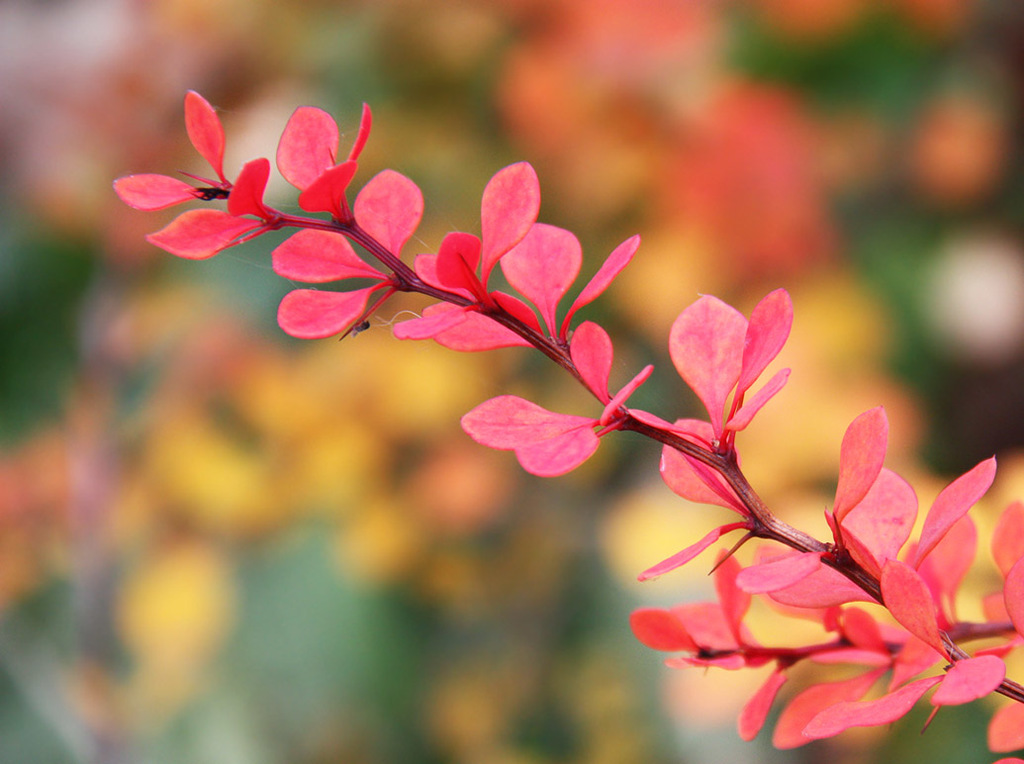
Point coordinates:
[(970, 680), (882, 520), (456, 262), (915, 657), (542, 267), (1006, 729), (779, 573), (508, 422), (860, 459), (591, 351), (694, 481), (767, 332), (868, 713), (389, 208), (622, 396), (745, 415), (706, 346), (510, 204), (681, 558), (661, 629), (807, 704), (1013, 595), (613, 265), (952, 503), (822, 588), (908, 598), (311, 314), (320, 256), (1008, 537), (205, 131), (198, 234), (559, 454), (707, 624), (308, 146), (365, 122), (327, 192), (862, 630), (153, 192), (756, 710), (247, 196), (462, 330)]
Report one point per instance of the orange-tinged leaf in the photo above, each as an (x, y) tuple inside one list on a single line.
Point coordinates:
[(308, 146), (1006, 729), (734, 601), (860, 459), (661, 629), (944, 569), (684, 556), (969, 680), (789, 730), (199, 234), (908, 598), (1008, 537), (868, 713), (952, 503), (755, 711), (1013, 595)]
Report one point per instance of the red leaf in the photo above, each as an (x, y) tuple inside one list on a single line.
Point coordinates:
[(247, 195), (1006, 729), (706, 345), (707, 624), (153, 192), (822, 588), (456, 263), (970, 680), (915, 657), (868, 713), (1013, 595), (198, 234), (745, 415), (908, 598), (542, 267), (694, 481), (312, 314), (681, 558), (944, 569), (560, 454), (860, 459), (205, 131), (508, 422), (623, 395), (308, 146), (591, 351), (862, 630), (882, 520), (389, 208), (953, 503), (509, 207), (779, 573), (661, 629), (756, 710), (807, 704), (612, 266), (462, 330), (1008, 537), (320, 256), (767, 332), (365, 122), (327, 192)]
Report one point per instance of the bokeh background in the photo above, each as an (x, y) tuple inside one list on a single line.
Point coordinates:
[(221, 545)]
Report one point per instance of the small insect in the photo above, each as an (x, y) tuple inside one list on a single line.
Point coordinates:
[(207, 194), (360, 327)]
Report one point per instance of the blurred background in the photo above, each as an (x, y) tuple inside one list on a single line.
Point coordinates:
[(221, 545)]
